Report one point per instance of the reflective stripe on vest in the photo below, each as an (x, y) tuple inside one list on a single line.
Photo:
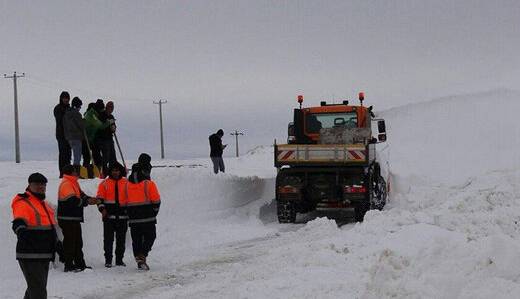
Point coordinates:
[(34, 255), (120, 217), (40, 227), (69, 218), (142, 220)]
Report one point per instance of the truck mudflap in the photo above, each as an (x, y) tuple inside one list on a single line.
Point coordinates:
[(320, 154)]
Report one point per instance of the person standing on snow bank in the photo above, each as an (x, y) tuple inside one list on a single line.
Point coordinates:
[(74, 128), (111, 193), (93, 125), (63, 145), (104, 138), (216, 150), (34, 225), (143, 201), (71, 201)]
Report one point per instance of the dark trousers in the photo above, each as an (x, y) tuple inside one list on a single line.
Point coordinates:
[(72, 243), (85, 153), (143, 236), (64, 155), (118, 228), (96, 153), (35, 273), (108, 152), (218, 164)]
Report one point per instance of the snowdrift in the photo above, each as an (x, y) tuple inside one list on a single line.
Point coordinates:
[(453, 138)]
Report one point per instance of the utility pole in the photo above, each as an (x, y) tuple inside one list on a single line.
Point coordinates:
[(16, 128), (236, 133), (160, 103)]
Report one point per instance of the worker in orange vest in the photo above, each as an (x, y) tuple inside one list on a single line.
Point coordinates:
[(71, 201), (111, 194), (143, 202), (34, 225)]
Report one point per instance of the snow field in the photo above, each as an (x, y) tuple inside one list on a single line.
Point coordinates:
[(450, 229)]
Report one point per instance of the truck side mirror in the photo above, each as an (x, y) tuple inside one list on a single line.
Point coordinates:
[(381, 127), (290, 133)]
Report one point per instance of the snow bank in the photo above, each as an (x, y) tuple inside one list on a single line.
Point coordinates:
[(453, 138)]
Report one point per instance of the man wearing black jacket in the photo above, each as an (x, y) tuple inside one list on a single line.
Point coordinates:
[(71, 201), (104, 138), (216, 150), (63, 145), (143, 203)]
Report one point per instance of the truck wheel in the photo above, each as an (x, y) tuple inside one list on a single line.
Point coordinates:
[(360, 210), (379, 194), (286, 211)]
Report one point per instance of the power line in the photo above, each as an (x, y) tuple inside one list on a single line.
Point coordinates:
[(236, 133), (16, 128)]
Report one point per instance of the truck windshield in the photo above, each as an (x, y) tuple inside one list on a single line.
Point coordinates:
[(316, 122)]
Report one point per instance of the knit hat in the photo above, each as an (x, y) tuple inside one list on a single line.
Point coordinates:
[(144, 161), (220, 132), (37, 178), (64, 95), (99, 105), (76, 102), (68, 170), (117, 165)]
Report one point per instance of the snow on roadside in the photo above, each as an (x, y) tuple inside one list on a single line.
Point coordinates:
[(455, 242)]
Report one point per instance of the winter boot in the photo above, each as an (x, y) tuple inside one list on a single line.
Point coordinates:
[(69, 267), (141, 263), (82, 267), (108, 263), (119, 262)]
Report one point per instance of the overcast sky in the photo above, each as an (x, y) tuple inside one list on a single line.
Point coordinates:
[(240, 64)]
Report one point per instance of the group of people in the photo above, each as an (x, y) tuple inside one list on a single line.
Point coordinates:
[(123, 202), (88, 135)]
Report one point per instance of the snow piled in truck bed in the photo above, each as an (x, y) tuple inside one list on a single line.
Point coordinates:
[(450, 230)]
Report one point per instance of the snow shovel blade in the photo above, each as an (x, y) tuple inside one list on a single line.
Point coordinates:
[(89, 172)]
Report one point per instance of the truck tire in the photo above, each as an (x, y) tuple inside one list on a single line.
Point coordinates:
[(379, 194), (360, 210), (286, 211)]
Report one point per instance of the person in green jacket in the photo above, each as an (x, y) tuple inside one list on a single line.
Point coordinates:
[(92, 126)]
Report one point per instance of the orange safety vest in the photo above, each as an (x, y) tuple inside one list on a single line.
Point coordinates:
[(107, 191), (71, 200), (39, 223), (68, 188), (107, 194), (143, 202), (142, 193)]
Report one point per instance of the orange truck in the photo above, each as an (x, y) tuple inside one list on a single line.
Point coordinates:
[(329, 162)]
